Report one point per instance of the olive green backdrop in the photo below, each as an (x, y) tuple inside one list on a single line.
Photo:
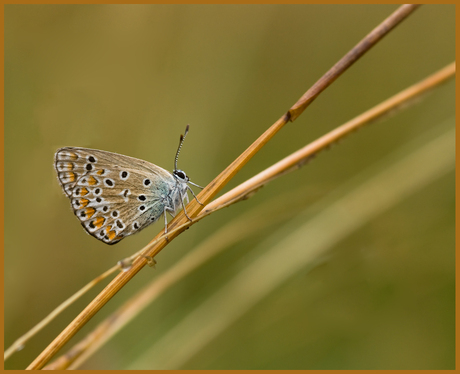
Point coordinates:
[(129, 78)]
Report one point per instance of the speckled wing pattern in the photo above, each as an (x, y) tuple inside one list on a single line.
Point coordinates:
[(112, 195)]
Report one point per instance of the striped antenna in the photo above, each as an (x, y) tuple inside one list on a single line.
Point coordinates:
[(182, 138)]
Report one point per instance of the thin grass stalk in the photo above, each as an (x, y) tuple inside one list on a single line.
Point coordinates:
[(324, 225), (299, 158), (292, 162), (193, 208), (362, 47), (246, 225), (20, 343)]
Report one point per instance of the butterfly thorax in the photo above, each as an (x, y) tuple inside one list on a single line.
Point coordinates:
[(179, 192)]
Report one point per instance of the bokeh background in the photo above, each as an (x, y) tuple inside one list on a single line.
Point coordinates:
[(129, 78)]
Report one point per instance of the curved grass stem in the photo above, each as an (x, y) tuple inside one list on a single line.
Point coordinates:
[(137, 303), (180, 221)]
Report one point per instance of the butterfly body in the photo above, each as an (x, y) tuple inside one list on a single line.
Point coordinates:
[(115, 196)]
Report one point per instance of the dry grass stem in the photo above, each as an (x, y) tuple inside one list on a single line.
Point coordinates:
[(285, 253), (206, 195), (19, 343), (297, 159), (242, 191), (246, 225), (212, 246), (352, 56)]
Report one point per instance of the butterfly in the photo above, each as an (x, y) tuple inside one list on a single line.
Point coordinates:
[(115, 196)]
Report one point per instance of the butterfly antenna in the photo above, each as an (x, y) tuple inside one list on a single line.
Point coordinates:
[(182, 138)]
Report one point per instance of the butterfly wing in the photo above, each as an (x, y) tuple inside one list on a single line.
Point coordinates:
[(112, 195)]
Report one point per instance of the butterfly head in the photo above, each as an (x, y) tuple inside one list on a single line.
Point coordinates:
[(179, 174)]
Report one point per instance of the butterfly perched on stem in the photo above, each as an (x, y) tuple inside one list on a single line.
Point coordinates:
[(115, 196)]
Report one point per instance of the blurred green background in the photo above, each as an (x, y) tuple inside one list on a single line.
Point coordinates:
[(129, 78)]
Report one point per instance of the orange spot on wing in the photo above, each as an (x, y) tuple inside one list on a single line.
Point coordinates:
[(98, 222), (90, 212), (83, 202), (67, 177), (92, 181), (111, 235), (65, 166), (83, 191), (107, 229), (100, 172), (67, 156)]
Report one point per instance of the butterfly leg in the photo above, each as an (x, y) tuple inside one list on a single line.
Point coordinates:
[(170, 211), (183, 205), (199, 202)]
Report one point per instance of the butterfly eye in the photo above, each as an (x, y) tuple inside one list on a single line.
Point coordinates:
[(180, 174)]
